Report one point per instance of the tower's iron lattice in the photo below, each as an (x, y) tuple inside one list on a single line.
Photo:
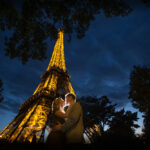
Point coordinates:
[(30, 123)]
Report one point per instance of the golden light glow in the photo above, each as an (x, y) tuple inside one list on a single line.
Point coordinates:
[(58, 59), (36, 123), (17, 131), (53, 83), (36, 89), (71, 90), (8, 129), (46, 82)]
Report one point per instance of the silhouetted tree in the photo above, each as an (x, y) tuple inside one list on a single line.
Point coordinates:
[(147, 2), (122, 124), (121, 129), (1, 90), (146, 129), (97, 111), (33, 22), (140, 88), (140, 94)]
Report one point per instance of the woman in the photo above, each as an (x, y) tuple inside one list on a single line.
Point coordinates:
[(58, 116)]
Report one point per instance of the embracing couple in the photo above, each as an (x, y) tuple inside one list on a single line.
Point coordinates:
[(67, 127)]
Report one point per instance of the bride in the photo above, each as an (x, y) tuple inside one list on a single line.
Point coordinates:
[(58, 116)]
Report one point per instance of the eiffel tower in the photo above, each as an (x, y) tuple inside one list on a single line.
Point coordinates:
[(30, 123)]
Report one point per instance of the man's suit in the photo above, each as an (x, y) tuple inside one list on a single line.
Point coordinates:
[(73, 127)]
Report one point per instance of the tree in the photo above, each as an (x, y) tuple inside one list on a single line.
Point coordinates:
[(140, 88), (146, 129), (121, 129), (1, 90), (147, 2), (33, 22), (140, 94), (97, 111), (122, 124)]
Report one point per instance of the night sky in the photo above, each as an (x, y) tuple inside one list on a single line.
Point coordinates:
[(99, 64)]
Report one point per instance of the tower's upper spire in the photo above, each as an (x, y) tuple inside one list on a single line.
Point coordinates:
[(58, 58)]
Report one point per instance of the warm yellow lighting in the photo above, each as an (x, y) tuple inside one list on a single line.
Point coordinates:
[(17, 131), (71, 90), (58, 59), (46, 82), (36, 123), (96, 128), (37, 89)]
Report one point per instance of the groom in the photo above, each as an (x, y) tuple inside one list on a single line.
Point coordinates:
[(73, 126)]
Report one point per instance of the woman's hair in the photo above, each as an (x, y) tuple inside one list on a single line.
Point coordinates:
[(56, 104)]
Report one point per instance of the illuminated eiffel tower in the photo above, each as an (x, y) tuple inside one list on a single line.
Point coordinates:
[(29, 125)]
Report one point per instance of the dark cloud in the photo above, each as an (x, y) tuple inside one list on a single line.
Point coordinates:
[(100, 63)]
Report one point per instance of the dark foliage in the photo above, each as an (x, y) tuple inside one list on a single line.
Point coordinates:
[(103, 143), (1, 90), (33, 22), (147, 2), (140, 88), (122, 124), (97, 111), (119, 142), (146, 129), (140, 95)]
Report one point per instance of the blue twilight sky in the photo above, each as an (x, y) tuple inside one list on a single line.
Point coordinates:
[(99, 64)]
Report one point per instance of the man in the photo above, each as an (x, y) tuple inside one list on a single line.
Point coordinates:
[(73, 126)]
